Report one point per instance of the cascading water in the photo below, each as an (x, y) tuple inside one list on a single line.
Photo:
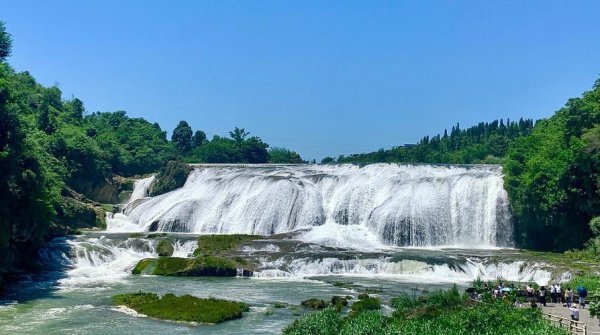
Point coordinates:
[(342, 205)]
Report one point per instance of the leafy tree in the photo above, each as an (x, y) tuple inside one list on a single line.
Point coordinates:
[(284, 156), (199, 138), (220, 150), (239, 135), (5, 42), (328, 160), (182, 137)]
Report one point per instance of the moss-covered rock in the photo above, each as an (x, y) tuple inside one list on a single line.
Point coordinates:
[(314, 303), (170, 177), (366, 304), (222, 244), (183, 308), (165, 247), (73, 214), (339, 302), (176, 266)]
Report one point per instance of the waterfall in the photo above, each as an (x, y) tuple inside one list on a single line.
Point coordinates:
[(141, 188), (372, 206), (466, 271)]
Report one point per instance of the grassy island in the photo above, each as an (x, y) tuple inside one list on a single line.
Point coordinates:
[(185, 308)]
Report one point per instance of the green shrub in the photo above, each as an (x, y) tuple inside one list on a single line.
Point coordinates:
[(184, 308), (592, 283)]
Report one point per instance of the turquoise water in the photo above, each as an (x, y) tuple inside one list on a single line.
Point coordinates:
[(84, 272), (44, 309)]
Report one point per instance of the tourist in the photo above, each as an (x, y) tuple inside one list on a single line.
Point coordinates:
[(553, 293), (529, 291), (574, 313), (543, 296), (559, 294), (569, 297), (582, 295)]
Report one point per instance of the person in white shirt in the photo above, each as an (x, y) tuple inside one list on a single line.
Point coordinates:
[(553, 293), (559, 294), (574, 313)]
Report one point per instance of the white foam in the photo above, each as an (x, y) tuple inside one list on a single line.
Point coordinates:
[(409, 270), (344, 205)]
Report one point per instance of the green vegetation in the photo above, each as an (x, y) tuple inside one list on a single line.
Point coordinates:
[(591, 282), (176, 266), (483, 143), (551, 176), (439, 313), (284, 156), (366, 304), (222, 244), (170, 177), (185, 308), (165, 247)]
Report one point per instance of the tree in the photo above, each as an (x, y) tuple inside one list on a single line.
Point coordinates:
[(77, 108), (5, 42), (182, 137), (284, 156), (239, 135), (199, 138), (254, 151)]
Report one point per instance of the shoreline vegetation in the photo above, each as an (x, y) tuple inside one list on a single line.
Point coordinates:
[(442, 312)]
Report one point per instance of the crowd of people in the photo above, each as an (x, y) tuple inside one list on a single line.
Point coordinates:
[(542, 295)]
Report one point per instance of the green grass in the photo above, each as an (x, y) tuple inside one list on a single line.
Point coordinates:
[(439, 313), (183, 308), (176, 266), (217, 245)]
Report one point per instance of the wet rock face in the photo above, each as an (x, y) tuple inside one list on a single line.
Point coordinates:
[(165, 248), (76, 214)]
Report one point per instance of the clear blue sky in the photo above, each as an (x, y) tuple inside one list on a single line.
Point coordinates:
[(320, 77)]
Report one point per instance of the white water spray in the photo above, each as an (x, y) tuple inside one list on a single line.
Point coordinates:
[(376, 205)]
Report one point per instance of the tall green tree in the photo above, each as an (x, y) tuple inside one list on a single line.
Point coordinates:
[(5, 42), (182, 137), (199, 138)]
